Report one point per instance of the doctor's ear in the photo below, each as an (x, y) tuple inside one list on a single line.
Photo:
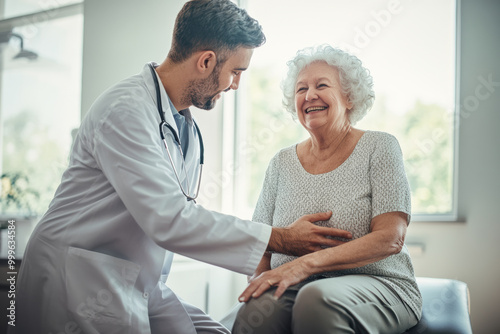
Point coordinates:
[(206, 62)]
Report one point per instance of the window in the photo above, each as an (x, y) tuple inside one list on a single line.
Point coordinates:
[(408, 46), (39, 101)]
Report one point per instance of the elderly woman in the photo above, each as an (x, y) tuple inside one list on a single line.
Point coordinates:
[(366, 284)]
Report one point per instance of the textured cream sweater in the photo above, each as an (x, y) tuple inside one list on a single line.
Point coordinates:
[(370, 182)]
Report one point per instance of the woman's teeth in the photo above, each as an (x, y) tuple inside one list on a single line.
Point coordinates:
[(308, 110)]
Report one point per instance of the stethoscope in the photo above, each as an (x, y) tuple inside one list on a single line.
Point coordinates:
[(164, 126)]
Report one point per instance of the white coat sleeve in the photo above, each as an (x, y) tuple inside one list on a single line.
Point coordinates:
[(127, 147)]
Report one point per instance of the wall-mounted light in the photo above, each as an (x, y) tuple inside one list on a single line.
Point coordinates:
[(5, 37)]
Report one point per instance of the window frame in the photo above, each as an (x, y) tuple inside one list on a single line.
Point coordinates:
[(452, 216)]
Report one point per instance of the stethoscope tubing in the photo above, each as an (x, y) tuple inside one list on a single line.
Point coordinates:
[(164, 124)]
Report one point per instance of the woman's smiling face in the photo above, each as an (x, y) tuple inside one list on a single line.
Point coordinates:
[(319, 100)]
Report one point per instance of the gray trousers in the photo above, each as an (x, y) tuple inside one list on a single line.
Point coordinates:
[(348, 304)]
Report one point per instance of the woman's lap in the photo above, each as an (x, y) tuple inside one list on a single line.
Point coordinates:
[(347, 304)]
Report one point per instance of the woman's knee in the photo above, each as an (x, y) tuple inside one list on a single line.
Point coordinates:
[(264, 315), (314, 309)]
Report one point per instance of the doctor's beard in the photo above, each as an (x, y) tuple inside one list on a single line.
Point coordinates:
[(200, 92)]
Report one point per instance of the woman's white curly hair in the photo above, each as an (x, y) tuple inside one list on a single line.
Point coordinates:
[(356, 81)]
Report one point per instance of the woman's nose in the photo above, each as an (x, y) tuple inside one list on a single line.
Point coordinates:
[(311, 94)]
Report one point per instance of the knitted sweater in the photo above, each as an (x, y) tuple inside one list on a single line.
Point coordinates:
[(372, 181)]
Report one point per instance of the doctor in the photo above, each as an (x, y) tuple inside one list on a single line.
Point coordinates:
[(99, 258)]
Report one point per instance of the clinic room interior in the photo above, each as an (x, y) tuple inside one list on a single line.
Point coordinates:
[(436, 72)]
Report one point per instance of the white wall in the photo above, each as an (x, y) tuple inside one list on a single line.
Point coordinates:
[(121, 35)]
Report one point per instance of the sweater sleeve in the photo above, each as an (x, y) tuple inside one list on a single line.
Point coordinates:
[(264, 210), (389, 184)]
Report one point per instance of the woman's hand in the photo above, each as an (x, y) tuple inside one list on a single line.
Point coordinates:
[(284, 276)]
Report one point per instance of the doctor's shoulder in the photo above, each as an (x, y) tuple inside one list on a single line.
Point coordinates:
[(125, 102)]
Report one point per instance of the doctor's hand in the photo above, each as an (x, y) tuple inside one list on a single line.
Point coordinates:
[(303, 237)]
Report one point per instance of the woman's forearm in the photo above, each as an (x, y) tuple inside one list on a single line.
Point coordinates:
[(386, 238), (264, 265)]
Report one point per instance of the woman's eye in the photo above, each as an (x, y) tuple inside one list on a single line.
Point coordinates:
[(322, 85), (301, 89)]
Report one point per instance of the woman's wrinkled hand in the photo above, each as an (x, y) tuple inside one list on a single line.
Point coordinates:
[(282, 277)]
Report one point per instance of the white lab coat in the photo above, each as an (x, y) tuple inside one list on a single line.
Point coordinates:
[(98, 259)]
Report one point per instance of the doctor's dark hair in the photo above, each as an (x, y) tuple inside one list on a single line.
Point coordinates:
[(216, 25)]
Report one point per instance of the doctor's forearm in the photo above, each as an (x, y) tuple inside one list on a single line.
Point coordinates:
[(277, 240), (286, 240)]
